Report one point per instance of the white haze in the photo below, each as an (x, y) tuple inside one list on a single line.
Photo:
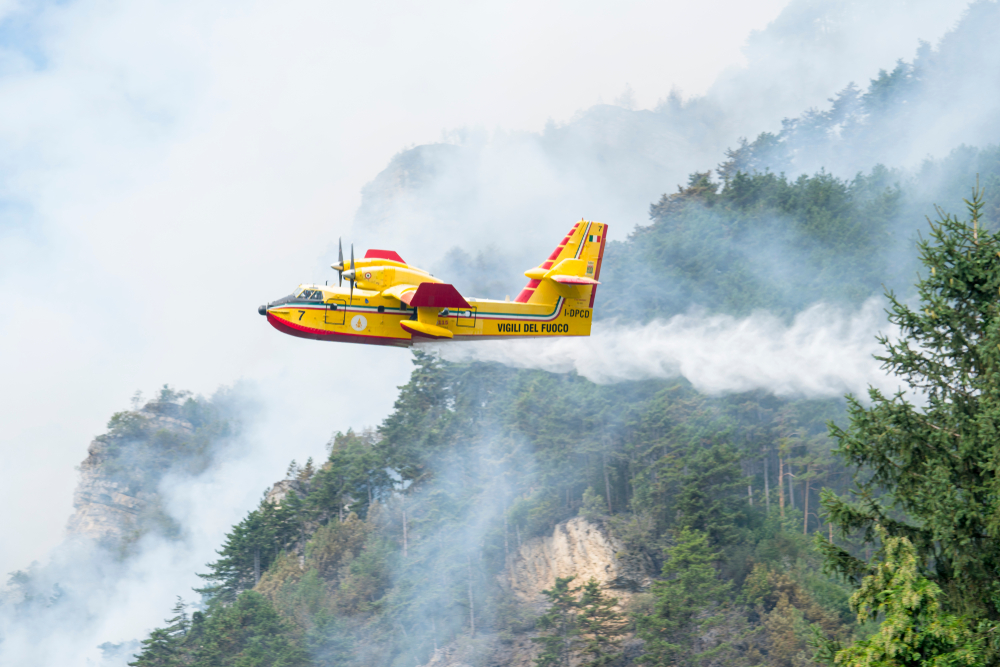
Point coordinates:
[(824, 352), (166, 167)]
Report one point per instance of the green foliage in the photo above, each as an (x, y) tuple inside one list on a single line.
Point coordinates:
[(165, 646), (758, 241), (587, 626), (915, 630), (252, 546), (927, 471), (247, 633), (601, 626), (594, 506), (558, 625), (691, 584), (710, 499)]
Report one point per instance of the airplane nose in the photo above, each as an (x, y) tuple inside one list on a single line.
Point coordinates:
[(262, 310)]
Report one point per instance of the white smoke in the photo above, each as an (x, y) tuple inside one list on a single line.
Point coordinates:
[(824, 352)]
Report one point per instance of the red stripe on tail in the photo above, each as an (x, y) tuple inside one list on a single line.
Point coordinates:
[(597, 269)]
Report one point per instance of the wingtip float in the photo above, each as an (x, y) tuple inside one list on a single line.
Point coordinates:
[(389, 302)]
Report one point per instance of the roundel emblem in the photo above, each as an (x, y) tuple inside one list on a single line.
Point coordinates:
[(368, 275), (358, 322)]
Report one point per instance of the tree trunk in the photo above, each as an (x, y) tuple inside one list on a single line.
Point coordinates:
[(791, 489), (750, 493), (256, 566), (607, 484), (472, 600), (781, 486), (402, 501), (805, 501), (767, 483), (506, 547)]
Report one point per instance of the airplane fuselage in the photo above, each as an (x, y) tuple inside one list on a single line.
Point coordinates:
[(373, 319)]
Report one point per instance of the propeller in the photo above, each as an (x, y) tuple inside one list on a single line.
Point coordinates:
[(341, 271)]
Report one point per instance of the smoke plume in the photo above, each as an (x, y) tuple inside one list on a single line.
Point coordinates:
[(823, 352)]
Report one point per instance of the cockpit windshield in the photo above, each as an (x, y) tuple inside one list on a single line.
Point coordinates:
[(309, 294)]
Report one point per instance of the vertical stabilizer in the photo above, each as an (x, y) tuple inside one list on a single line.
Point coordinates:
[(585, 244)]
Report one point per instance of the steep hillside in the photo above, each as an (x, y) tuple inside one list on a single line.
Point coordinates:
[(438, 531)]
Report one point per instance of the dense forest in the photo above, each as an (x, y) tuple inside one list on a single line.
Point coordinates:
[(768, 541)]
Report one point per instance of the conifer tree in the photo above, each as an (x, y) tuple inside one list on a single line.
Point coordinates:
[(600, 625), (690, 585), (928, 459), (164, 646), (559, 624), (915, 630)]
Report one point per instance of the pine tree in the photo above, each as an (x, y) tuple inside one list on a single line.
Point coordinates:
[(600, 625), (690, 585), (712, 495), (928, 461), (164, 646), (559, 624)]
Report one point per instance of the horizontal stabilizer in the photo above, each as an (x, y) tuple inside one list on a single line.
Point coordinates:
[(436, 295), (384, 254), (574, 280)]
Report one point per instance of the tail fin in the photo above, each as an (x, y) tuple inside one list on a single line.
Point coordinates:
[(585, 244)]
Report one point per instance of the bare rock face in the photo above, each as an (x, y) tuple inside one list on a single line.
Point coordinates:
[(577, 548), (111, 498), (281, 489)]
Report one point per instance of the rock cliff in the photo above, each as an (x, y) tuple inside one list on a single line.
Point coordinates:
[(116, 499), (576, 548)]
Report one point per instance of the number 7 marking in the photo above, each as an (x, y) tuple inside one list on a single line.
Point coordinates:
[(301, 313)]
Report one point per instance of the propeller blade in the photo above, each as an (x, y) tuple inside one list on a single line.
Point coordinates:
[(352, 274), (340, 262)]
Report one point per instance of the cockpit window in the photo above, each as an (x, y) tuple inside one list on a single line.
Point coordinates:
[(310, 294)]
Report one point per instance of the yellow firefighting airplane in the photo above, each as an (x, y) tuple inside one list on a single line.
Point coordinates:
[(393, 303)]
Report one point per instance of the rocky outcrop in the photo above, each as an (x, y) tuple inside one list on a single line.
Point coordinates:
[(280, 490), (576, 548), (111, 497)]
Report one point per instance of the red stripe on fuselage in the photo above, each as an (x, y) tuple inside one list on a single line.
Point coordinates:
[(300, 331)]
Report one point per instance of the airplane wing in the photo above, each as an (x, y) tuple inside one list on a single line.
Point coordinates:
[(437, 295)]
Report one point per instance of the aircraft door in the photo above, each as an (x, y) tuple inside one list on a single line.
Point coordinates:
[(465, 317), (336, 309)]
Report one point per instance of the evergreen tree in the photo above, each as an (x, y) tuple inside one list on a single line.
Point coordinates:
[(928, 463), (559, 624), (690, 585), (712, 494), (915, 630), (600, 625), (248, 633), (164, 646)]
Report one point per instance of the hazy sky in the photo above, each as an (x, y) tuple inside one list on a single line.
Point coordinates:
[(166, 167)]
